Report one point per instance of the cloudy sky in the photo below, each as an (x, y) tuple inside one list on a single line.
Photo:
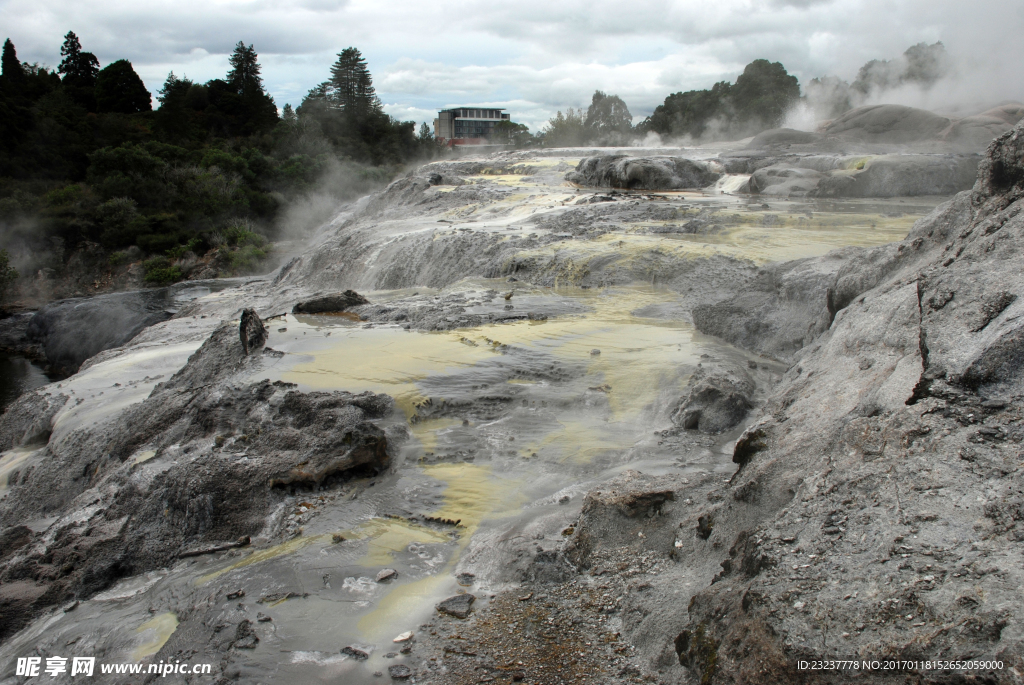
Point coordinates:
[(532, 57)]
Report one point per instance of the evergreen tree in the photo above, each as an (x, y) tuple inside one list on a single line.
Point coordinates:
[(79, 66), (13, 73), (255, 110), (244, 76), (79, 70), (119, 89), (351, 86)]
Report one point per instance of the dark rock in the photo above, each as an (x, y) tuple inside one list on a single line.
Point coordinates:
[(251, 331), (71, 331), (457, 606), (245, 638), (359, 652), (335, 302), (642, 173), (400, 672)]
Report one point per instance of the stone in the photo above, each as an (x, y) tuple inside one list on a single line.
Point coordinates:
[(333, 303), (457, 606), (359, 652), (642, 173), (251, 331), (386, 574), (404, 637), (400, 672)]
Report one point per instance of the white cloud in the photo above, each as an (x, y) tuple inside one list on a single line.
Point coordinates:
[(531, 56)]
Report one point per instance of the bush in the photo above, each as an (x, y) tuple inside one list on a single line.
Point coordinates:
[(160, 271)]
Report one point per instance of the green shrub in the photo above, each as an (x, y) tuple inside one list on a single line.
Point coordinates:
[(118, 258), (160, 271)]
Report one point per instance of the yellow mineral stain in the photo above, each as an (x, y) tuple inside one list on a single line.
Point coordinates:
[(388, 536), (428, 430), (398, 608), (158, 631), (474, 494), (10, 461), (385, 360), (143, 456), (262, 555)]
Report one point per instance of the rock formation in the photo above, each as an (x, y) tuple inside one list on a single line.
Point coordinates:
[(642, 173)]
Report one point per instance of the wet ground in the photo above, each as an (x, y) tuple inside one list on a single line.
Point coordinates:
[(501, 428)]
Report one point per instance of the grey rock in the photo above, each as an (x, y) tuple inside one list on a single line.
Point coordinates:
[(251, 331), (359, 652), (71, 331), (642, 173), (458, 606), (336, 302), (717, 400), (386, 574), (400, 672)]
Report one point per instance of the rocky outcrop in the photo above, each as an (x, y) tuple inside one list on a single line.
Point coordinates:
[(717, 400), (878, 497), (203, 460), (642, 173), (864, 176), (889, 124), (71, 331), (251, 331)]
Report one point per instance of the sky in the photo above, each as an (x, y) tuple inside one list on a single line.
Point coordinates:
[(531, 57)]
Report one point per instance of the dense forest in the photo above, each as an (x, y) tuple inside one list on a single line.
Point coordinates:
[(91, 176)]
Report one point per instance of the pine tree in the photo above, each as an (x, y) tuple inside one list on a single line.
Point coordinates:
[(70, 53), (79, 66), (352, 85), (79, 70), (13, 73), (245, 71)]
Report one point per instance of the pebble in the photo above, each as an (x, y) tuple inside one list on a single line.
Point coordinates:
[(386, 574)]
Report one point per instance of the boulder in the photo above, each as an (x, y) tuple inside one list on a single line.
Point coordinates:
[(458, 606), (251, 331), (71, 331), (335, 302), (642, 173), (718, 400)]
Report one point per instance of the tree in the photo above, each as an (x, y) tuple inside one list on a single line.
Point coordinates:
[(244, 76), (13, 73), (763, 94), (79, 70), (608, 114), (426, 135), (119, 89), (288, 114), (566, 129), (511, 133), (351, 85)]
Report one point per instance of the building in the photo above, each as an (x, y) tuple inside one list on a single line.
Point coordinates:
[(467, 125)]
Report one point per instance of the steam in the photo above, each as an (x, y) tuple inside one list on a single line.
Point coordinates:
[(925, 76)]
